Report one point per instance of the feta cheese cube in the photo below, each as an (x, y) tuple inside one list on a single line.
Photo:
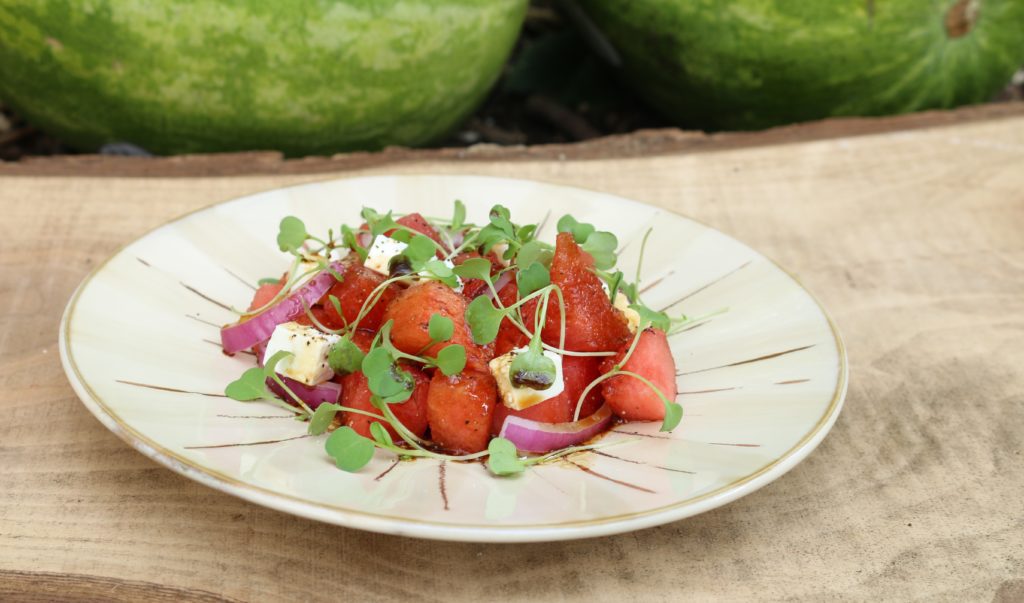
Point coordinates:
[(519, 398), (380, 253), (632, 316), (309, 347)]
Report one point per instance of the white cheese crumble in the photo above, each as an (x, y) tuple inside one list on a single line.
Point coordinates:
[(309, 348), (632, 316), (499, 250), (519, 398), (380, 253)]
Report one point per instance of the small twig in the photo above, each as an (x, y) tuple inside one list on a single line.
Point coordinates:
[(561, 117), (496, 134), (591, 33)]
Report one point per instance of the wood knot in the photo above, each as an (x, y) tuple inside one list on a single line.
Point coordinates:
[(961, 17)]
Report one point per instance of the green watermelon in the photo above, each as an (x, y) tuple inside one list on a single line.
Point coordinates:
[(743, 64), (311, 76)]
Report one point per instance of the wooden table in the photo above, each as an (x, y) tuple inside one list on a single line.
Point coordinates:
[(910, 229)]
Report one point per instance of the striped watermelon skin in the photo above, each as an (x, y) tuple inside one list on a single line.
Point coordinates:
[(317, 76), (749, 64)]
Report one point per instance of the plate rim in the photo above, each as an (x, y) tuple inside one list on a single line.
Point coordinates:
[(436, 530)]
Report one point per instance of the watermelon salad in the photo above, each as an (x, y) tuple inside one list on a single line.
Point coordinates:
[(429, 337)]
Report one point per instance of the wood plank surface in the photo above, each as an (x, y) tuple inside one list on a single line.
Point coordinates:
[(912, 235)]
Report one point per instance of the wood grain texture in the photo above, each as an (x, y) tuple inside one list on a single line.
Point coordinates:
[(913, 239), (645, 143)]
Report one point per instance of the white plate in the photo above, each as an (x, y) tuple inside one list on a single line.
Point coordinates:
[(761, 383)]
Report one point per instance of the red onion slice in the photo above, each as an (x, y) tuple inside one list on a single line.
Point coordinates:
[(247, 333), (537, 437), (312, 395)]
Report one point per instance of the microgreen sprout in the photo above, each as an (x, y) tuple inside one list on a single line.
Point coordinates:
[(252, 386), (531, 279), (292, 234), (345, 356), (598, 243), (350, 237), (531, 368), (503, 458), (322, 417), (350, 451), (458, 215), (440, 328), (535, 252)]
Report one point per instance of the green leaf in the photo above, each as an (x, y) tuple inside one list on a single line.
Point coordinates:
[(491, 235), (378, 360), (270, 366), (658, 320), (440, 328), (534, 251), (525, 233), (500, 228), (459, 216), (532, 279), (499, 214), (381, 435), (532, 369), (614, 281), (420, 249), (673, 415), (385, 378), (629, 290), (252, 385), (336, 304), (451, 359), (350, 451), (322, 417), (292, 234), (403, 236), (441, 271), (379, 224), (474, 268), (504, 459), (602, 245), (348, 236), (483, 319), (345, 356), (580, 231), (268, 281)]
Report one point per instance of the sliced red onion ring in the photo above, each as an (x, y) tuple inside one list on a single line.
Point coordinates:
[(537, 437), (312, 395), (247, 333)]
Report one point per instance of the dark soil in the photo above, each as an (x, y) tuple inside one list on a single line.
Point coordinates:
[(533, 103)]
